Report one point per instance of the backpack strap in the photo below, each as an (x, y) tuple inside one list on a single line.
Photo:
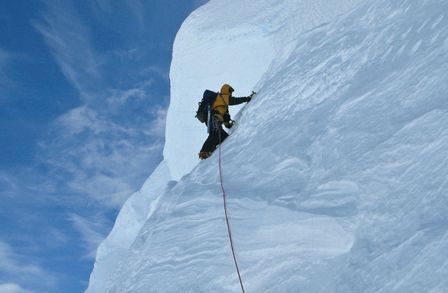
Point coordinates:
[(223, 101)]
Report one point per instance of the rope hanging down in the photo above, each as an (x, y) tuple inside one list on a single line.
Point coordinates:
[(227, 218)]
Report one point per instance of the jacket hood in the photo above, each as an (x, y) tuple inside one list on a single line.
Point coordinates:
[(226, 89)]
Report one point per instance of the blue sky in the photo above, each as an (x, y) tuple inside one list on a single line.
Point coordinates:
[(84, 90)]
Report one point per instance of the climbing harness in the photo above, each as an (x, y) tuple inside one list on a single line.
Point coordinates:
[(227, 217)]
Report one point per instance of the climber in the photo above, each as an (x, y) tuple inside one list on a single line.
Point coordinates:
[(220, 115)]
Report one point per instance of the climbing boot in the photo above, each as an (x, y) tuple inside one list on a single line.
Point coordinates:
[(204, 155)]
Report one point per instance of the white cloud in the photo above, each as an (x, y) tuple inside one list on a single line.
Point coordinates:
[(93, 230), (81, 119), (17, 186), (137, 93), (11, 264), (8, 184), (20, 269), (105, 157), (159, 71), (106, 161), (12, 288), (68, 38)]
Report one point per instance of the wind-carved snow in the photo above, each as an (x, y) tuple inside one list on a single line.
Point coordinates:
[(336, 173)]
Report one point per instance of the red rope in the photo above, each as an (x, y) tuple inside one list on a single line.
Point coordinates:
[(227, 218)]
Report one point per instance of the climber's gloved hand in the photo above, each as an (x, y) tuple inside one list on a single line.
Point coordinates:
[(228, 124)]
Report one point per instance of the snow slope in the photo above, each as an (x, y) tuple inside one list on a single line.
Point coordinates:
[(336, 173)]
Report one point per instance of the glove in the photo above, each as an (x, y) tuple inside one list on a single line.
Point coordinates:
[(250, 97), (228, 124), (226, 118)]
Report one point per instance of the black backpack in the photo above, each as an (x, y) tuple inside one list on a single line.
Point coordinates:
[(208, 98)]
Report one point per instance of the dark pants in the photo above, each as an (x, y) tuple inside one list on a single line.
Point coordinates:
[(216, 135)]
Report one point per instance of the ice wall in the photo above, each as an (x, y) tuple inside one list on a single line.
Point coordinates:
[(236, 46), (336, 173), (222, 42)]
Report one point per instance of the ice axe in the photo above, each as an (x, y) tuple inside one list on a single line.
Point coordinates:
[(253, 94)]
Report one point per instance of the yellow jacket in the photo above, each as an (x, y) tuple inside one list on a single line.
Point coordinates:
[(221, 105)]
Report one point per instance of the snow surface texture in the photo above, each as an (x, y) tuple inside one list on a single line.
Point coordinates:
[(336, 174)]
